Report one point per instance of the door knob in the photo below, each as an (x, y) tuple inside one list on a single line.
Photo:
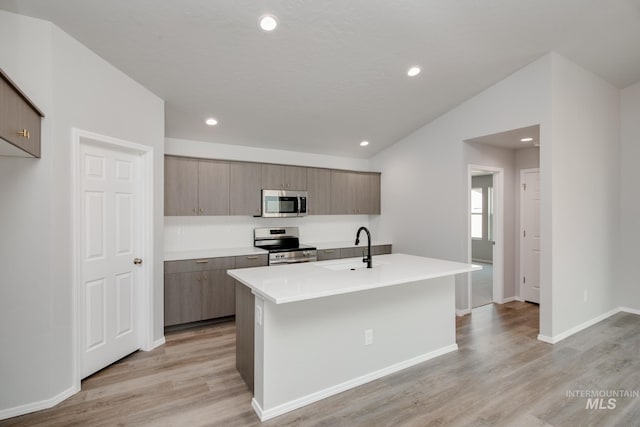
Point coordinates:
[(137, 261)]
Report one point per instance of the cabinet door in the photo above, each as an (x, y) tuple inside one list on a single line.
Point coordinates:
[(10, 109), (182, 298), (295, 178), (319, 191), (218, 294), (373, 205), (272, 177), (30, 121), (213, 187), (181, 186), (360, 187), (342, 193), (245, 188)]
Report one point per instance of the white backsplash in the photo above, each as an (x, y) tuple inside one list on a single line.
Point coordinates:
[(219, 232)]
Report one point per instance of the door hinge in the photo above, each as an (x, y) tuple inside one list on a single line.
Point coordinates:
[(524, 233), (524, 280), (524, 187)]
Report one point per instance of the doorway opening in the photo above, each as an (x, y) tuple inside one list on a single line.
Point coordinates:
[(485, 187)]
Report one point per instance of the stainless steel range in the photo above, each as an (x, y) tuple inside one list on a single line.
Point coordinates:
[(283, 245)]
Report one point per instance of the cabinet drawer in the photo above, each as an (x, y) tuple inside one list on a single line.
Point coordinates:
[(326, 254), (381, 250), (194, 265), (246, 261)]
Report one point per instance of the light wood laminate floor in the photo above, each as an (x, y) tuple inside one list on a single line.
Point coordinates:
[(501, 375)]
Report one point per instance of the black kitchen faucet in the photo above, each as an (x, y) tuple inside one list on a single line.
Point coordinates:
[(368, 258)]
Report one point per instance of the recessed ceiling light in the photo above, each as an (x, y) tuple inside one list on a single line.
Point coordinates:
[(364, 143), (268, 22), (413, 71), (211, 122), (526, 139)]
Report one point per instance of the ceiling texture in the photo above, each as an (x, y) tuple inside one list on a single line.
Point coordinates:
[(334, 71)]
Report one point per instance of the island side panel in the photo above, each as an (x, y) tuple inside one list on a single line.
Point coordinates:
[(315, 348), (245, 319)]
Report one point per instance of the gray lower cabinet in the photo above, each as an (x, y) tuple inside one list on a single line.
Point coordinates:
[(201, 289), (351, 252), (326, 254), (182, 298), (245, 333)]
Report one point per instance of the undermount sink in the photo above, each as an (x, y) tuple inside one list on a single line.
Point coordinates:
[(351, 265)]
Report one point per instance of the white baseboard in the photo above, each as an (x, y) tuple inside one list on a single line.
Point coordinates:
[(546, 339), (464, 312), (39, 406), (506, 300), (630, 310), (339, 388), (155, 344), (557, 338), (517, 298), (158, 343)]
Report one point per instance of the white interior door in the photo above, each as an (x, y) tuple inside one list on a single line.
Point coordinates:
[(530, 235), (110, 241)]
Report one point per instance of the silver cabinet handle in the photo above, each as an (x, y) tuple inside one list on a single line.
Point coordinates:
[(137, 261), (201, 210), (329, 251), (252, 257), (202, 261)]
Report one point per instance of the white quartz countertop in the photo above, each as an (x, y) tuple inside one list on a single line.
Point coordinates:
[(346, 244), (212, 253), (298, 282)]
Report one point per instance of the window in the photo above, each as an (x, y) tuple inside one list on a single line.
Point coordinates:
[(490, 214), (476, 213)]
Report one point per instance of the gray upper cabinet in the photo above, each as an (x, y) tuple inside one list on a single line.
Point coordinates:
[(373, 206), (355, 192), (216, 187), (280, 177), (213, 187), (195, 187), (19, 121), (245, 185), (319, 189), (181, 186)]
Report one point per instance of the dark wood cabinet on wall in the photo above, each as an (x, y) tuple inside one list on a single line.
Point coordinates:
[(20, 119), (217, 187)]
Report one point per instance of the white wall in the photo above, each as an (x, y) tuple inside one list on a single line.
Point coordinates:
[(427, 170), (629, 267), (74, 88), (217, 232), (585, 169)]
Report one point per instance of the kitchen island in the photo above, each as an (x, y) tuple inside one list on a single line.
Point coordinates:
[(309, 331)]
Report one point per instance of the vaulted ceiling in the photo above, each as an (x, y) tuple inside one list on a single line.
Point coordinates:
[(334, 73)]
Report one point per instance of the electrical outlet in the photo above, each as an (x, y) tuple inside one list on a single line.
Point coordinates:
[(368, 336), (259, 315)]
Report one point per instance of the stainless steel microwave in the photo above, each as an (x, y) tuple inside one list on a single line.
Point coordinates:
[(283, 203)]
